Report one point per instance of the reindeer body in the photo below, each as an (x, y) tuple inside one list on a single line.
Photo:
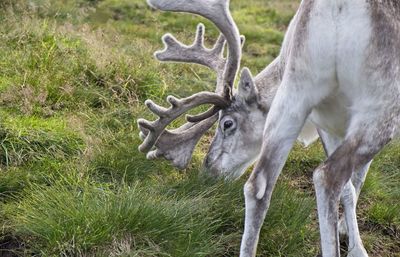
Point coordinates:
[(327, 42), (339, 68), (332, 56), (342, 63)]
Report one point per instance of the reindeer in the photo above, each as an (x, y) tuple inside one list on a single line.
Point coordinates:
[(338, 69)]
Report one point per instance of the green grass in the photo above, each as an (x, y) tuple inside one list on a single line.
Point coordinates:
[(73, 78)]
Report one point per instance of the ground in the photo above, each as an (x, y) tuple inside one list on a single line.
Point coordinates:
[(73, 79)]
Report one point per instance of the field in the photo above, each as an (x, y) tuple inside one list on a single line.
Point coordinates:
[(73, 79)]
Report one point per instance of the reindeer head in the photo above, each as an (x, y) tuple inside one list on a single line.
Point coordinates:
[(236, 142)]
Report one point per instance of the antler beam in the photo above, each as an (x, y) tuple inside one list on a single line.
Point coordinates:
[(178, 107)]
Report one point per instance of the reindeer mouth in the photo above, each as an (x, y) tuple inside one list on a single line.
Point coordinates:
[(238, 171), (217, 169)]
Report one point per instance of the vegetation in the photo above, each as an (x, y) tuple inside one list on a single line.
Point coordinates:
[(73, 77)]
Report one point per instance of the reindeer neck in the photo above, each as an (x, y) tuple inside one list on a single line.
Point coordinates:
[(268, 81)]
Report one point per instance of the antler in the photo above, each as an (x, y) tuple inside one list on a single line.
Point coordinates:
[(178, 145), (178, 107), (175, 51), (217, 11)]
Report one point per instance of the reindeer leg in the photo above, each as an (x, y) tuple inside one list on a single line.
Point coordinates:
[(284, 123), (349, 196), (357, 180), (332, 177), (349, 201)]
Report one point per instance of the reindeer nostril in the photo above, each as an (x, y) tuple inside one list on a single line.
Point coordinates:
[(228, 124)]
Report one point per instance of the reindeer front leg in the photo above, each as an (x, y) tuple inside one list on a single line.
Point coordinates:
[(282, 127)]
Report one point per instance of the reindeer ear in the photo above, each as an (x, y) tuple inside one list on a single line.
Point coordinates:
[(247, 89)]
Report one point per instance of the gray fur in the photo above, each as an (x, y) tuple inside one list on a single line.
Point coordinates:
[(385, 44)]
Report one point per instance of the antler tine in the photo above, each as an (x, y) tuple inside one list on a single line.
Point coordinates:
[(178, 107), (196, 53), (219, 46), (199, 39), (218, 12)]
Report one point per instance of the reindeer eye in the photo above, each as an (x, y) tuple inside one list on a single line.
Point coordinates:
[(228, 124)]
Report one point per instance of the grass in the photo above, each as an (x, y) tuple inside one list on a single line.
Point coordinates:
[(73, 78)]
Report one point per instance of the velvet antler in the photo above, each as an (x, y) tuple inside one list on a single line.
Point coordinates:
[(178, 145)]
